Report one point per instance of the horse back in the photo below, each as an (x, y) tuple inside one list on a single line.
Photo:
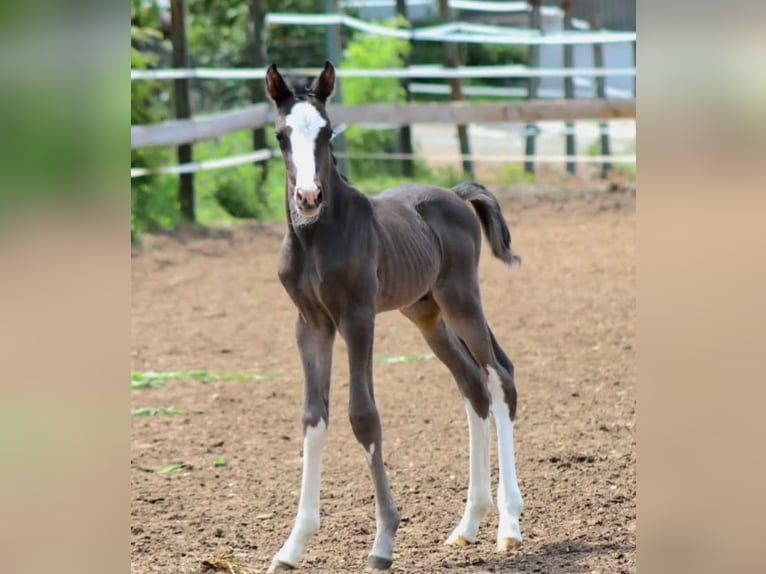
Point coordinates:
[(414, 226)]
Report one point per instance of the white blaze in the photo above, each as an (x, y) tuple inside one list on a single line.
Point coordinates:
[(305, 122)]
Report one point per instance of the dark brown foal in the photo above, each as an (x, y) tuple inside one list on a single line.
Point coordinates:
[(347, 257)]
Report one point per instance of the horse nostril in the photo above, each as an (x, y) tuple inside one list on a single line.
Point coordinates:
[(319, 198), (299, 196)]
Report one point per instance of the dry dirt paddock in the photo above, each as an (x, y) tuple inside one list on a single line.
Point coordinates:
[(212, 302)]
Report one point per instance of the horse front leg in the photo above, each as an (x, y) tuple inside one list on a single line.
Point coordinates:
[(358, 329), (315, 344)]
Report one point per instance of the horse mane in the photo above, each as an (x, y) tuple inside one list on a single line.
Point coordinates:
[(335, 163), (301, 86)]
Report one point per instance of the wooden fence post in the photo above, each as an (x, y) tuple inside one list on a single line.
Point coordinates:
[(530, 130), (255, 58), (405, 132), (182, 104), (571, 144), (598, 63), (334, 47), (635, 65), (453, 61), (598, 60)]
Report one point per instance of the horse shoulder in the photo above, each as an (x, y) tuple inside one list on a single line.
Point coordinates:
[(291, 265), (346, 261)]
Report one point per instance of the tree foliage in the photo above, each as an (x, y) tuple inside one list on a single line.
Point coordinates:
[(217, 35), (371, 52), (152, 207)]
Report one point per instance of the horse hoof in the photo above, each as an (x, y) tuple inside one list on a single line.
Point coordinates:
[(458, 541), (508, 544), (377, 563), (278, 566)]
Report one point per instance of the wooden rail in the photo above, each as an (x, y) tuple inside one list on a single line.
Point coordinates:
[(174, 133), (177, 132)]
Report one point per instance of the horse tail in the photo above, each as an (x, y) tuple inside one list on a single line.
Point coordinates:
[(491, 217)]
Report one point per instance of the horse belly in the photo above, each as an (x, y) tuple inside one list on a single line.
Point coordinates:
[(407, 270)]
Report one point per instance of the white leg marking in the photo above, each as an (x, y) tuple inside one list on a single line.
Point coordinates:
[(307, 521), (479, 499), (369, 452), (509, 502), (305, 123)]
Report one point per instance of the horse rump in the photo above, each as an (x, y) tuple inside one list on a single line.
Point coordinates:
[(492, 221)]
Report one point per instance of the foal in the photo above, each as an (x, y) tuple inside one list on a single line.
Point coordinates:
[(346, 257)]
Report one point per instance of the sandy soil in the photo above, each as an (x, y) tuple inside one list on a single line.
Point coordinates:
[(212, 302)]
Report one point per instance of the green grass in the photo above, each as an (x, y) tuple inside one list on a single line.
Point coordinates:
[(625, 169), (514, 174), (243, 181), (156, 379), (219, 462), (444, 177), (404, 359), (174, 468), (150, 412)]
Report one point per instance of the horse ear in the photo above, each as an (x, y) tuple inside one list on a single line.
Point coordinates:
[(276, 87), (324, 85)]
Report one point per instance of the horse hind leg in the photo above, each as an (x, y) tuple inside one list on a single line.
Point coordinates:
[(468, 376), (509, 501), (462, 309)]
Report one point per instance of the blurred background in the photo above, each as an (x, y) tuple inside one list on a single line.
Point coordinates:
[(202, 147)]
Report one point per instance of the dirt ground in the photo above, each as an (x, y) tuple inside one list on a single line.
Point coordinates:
[(212, 302)]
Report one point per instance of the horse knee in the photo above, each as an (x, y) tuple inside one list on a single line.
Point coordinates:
[(509, 367), (315, 435), (474, 390), (510, 398), (366, 426), (313, 415), (509, 387)]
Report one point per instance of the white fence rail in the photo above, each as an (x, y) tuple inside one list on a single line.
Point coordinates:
[(469, 5), (264, 154), (421, 72), (458, 31), (252, 157), (621, 104)]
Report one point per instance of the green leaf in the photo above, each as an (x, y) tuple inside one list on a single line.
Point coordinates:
[(220, 462)]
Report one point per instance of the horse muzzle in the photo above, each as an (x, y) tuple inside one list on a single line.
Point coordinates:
[(308, 200)]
